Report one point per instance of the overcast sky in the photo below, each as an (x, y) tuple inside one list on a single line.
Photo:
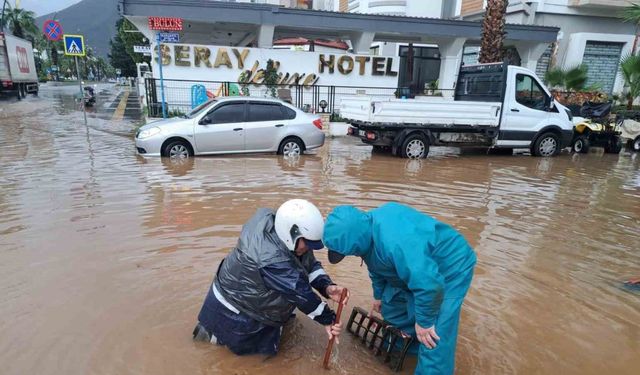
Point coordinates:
[(41, 7)]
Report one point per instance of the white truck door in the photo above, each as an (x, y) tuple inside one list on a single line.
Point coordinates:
[(525, 109)]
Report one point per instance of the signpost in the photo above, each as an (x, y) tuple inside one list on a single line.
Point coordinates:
[(142, 49), (164, 24), (74, 46), (52, 30), (170, 37)]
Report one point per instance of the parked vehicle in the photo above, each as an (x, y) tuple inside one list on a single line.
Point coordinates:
[(17, 67), (233, 125), (595, 129), (494, 106), (89, 96), (630, 133)]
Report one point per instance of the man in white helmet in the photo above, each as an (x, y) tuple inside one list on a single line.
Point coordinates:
[(270, 272)]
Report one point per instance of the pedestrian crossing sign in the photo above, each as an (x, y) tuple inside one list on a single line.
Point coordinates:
[(73, 45)]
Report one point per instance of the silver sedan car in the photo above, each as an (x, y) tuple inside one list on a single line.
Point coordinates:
[(233, 125)]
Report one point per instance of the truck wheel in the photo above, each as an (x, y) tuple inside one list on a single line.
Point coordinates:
[(23, 90), (613, 146), (415, 146), (18, 91), (581, 145), (548, 144)]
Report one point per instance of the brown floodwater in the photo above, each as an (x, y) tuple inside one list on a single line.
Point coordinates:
[(105, 257)]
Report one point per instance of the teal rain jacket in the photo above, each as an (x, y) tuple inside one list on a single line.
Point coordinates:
[(405, 250)]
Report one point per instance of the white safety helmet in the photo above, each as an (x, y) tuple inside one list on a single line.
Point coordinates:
[(300, 218)]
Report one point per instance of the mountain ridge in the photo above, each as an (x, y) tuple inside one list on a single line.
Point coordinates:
[(94, 19)]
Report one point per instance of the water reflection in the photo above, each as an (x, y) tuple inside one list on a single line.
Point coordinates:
[(105, 256)]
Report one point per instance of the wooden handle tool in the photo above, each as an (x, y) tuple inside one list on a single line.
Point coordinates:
[(327, 353)]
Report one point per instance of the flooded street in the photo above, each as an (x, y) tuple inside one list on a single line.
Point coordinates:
[(105, 257)]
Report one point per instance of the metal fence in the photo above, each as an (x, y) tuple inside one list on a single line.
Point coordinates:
[(179, 96)]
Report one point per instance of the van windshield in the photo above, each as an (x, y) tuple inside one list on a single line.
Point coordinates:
[(194, 112)]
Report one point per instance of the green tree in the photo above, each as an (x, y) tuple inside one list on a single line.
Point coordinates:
[(132, 37), (573, 79), (630, 71), (21, 23), (121, 53), (271, 77), (632, 13), (493, 34)]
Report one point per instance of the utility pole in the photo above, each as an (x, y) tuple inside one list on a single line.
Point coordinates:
[(84, 111)]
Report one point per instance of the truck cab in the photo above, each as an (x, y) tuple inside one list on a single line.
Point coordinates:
[(494, 106)]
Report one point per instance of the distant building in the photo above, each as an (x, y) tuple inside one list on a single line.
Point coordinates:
[(591, 33)]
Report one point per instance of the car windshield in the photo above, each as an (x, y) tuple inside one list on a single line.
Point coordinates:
[(194, 112)]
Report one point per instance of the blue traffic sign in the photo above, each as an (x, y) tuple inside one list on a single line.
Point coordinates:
[(169, 38), (74, 45), (52, 30)]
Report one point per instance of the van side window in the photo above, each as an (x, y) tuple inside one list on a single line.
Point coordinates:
[(529, 93)]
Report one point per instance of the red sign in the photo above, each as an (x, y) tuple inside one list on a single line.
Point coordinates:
[(165, 23), (52, 30), (23, 59)]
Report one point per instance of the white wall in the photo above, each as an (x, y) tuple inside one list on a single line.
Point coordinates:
[(577, 44), (412, 8), (422, 8)]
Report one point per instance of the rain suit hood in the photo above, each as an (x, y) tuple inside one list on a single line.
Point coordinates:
[(348, 231)]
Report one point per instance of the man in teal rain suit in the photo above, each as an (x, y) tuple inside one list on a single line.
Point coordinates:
[(420, 271)]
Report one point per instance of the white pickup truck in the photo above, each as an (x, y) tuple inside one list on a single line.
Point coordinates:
[(494, 106)]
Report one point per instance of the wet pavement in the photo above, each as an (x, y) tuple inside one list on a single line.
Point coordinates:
[(105, 257)]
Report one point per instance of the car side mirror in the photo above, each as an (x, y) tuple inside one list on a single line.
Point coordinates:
[(550, 104), (206, 120)]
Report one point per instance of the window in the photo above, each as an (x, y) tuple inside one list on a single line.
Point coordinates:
[(265, 112), (529, 93), (289, 113), (194, 112), (227, 113)]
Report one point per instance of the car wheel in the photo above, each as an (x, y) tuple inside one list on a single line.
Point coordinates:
[(635, 146), (291, 147), (548, 144), (581, 145), (613, 146), (178, 150), (415, 146)]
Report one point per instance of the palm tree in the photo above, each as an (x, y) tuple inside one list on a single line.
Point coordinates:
[(631, 13), (630, 71), (493, 34), (21, 22)]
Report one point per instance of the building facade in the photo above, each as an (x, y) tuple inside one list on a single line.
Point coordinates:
[(591, 33), (221, 40), (421, 60)]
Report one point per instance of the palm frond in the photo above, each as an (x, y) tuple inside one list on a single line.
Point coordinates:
[(576, 78), (631, 13), (554, 77)]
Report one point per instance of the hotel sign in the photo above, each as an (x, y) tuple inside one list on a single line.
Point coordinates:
[(216, 63), (165, 23)]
